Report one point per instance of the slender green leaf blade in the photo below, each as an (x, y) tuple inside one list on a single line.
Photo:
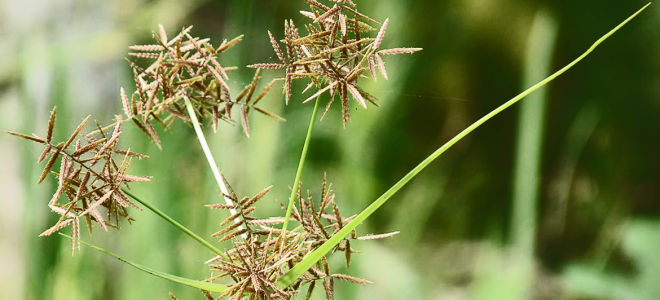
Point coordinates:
[(214, 287)]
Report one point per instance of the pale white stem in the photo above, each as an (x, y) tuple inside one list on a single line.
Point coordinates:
[(209, 156)]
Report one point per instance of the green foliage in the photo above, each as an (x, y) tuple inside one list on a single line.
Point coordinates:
[(640, 242)]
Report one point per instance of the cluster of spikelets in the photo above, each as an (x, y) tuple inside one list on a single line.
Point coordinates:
[(261, 254), (91, 176), (186, 67), (333, 55)]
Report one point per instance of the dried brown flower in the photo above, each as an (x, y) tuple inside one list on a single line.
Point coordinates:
[(92, 173), (261, 254), (185, 66), (334, 54)]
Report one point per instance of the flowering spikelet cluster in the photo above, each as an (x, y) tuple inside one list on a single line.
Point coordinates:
[(334, 54), (186, 67), (91, 176), (261, 253)]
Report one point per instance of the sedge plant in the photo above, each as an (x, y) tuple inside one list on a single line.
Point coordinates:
[(184, 78)]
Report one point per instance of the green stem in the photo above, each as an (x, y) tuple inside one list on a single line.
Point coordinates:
[(181, 280), (311, 258), (176, 224), (303, 155)]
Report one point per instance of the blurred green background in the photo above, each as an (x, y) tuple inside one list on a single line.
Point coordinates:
[(557, 198)]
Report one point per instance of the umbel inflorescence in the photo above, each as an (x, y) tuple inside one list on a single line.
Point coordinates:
[(262, 253), (334, 54), (186, 67), (92, 174)]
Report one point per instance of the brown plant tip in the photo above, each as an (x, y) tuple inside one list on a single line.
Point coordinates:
[(184, 66), (260, 254), (334, 54), (92, 173)]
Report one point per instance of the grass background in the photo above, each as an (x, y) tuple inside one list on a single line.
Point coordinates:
[(469, 230)]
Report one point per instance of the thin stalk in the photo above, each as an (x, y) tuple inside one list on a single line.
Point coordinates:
[(209, 156), (303, 155), (208, 286), (176, 224), (311, 258)]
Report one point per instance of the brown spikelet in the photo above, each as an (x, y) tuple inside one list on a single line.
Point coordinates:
[(276, 47), (342, 24), (310, 290), (356, 95), (351, 279), (125, 103), (372, 68), (48, 166), (27, 137), (221, 206), (344, 104), (150, 48), (51, 124), (98, 202), (231, 218), (56, 227), (317, 5), (161, 32), (76, 132), (244, 121), (395, 51), (327, 14), (381, 34), (377, 236), (256, 197), (88, 147), (44, 154), (218, 67), (228, 45), (329, 289), (234, 234), (227, 229), (319, 92), (269, 114), (267, 66), (347, 253), (144, 55), (133, 178), (381, 66)]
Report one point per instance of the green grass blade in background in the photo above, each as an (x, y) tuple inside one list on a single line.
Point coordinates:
[(527, 173), (313, 257), (540, 47), (214, 287)]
